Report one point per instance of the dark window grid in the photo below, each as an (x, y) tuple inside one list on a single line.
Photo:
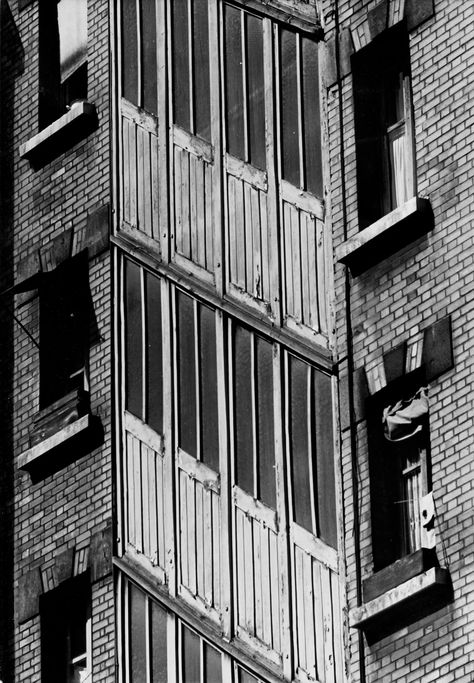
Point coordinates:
[(309, 424), (145, 397), (257, 472), (199, 661), (244, 81), (299, 106), (192, 71), (196, 380), (139, 80)]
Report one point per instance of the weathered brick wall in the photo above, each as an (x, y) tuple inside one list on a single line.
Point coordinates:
[(63, 510), (393, 302)]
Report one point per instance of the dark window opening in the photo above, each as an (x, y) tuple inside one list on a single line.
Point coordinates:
[(143, 346), (253, 416), (65, 307), (66, 633), (139, 68), (399, 470), (383, 125), (190, 54), (311, 450), (63, 57)]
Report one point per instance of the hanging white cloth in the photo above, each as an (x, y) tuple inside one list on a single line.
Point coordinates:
[(404, 419)]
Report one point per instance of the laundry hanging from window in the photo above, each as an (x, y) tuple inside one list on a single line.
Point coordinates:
[(405, 419)]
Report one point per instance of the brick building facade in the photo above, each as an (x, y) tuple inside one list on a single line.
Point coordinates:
[(235, 297), (56, 479)]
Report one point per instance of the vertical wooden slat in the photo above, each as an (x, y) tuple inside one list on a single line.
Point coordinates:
[(313, 320), (296, 265), (249, 564), (288, 259), (265, 248), (318, 620), (239, 226), (337, 628), (239, 525), (232, 228), (300, 625), (209, 548), (155, 204), (309, 614), (328, 625), (208, 219), (137, 494), (157, 501), (126, 168), (249, 242), (132, 151), (178, 211), (141, 177), (266, 589), (145, 501), (306, 271), (258, 532), (193, 211), (199, 540), (321, 277), (191, 540), (184, 531), (275, 589), (149, 189), (184, 202), (130, 490), (201, 227), (258, 237), (216, 530)]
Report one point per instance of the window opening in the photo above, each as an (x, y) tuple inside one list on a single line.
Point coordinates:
[(190, 55), (65, 306), (66, 633), (63, 56), (383, 125), (139, 66), (253, 415), (198, 431)]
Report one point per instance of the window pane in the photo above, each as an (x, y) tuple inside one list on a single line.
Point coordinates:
[(154, 361), (129, 51), (133, 340), (289, 108), (311, 118), (209, 415), (149, 68), (256, 92), (137, 635), (299, 444), (213, 662), (325, 458), (191, 657), (243, 409), (202, 108), (245, 677), (266, 445), (187, 374), (180, 49), (234, 84), (158, 644)]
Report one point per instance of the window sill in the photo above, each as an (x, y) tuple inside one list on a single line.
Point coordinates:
[(406, 603), (386, 236), (32, 455), (60, 135)]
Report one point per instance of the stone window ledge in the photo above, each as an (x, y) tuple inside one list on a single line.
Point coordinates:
[(64, 436), (71, 127), (403, 604), (386, 236)]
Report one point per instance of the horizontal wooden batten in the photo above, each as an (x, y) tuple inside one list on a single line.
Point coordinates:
[(321, 552), (193, 144), (142, 431), (243, 171), (302, 199)]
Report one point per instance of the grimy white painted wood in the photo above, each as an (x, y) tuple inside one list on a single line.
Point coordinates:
[(139, 169), (193, 199), (199, 534), (144, 484)]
